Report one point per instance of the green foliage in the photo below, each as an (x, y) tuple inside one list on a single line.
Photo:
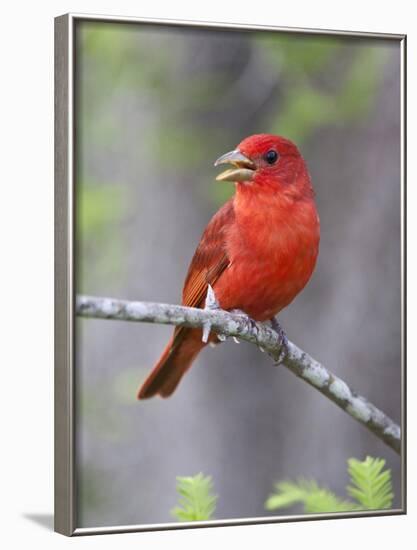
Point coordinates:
[(98, 206), (115, 48), (310, 99), (371, 484), (315, 82), (370, 487), (360, 86), (196, 503), (314, 498), (306, 110), (303, 54), (100, 209)]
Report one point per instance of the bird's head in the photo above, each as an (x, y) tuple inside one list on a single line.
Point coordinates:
[(268, 162)]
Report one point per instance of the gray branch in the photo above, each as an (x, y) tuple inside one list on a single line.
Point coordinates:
[(244, 328)]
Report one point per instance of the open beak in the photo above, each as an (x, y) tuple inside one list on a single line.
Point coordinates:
[(243, 170)]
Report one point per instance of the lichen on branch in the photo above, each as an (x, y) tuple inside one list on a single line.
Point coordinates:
[(244, 328)]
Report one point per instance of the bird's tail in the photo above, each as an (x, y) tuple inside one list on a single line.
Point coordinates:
[(173, 364)]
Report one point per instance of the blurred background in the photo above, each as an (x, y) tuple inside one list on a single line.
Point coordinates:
[(155, 107)]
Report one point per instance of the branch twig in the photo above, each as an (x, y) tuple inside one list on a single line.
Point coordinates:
[(229, 324)]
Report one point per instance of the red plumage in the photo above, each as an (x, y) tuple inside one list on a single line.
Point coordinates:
[(257, 252)]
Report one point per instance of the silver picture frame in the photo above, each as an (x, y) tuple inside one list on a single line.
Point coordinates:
[(65, 381)]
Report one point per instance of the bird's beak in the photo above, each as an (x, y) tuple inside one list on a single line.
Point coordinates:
[(243, 170)]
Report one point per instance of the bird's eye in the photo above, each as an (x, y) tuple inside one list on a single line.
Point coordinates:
[(271, 157)]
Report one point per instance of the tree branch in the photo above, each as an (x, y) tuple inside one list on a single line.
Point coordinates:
[(240, 326)]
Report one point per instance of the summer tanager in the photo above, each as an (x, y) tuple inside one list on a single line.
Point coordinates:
[(257, 252)]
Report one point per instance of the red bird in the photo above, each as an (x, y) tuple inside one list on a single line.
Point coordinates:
[(257, 252)]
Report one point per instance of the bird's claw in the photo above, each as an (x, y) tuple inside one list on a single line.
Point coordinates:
[(238, 312), (244, 315), (282, 340), (248, 319)]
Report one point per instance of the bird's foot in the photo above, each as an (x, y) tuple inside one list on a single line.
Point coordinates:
[(282, 340), (252, 323), (239, 312), (211, 305), (242, 314)]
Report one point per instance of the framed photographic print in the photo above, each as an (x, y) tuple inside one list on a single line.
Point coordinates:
[(216, 185)]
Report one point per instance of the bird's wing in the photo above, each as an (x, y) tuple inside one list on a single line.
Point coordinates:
[(208, 263), (210, 259)]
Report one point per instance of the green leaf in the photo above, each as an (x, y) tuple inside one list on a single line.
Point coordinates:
[(315, 499), (196, 502), (371, 488), (371, 485)]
